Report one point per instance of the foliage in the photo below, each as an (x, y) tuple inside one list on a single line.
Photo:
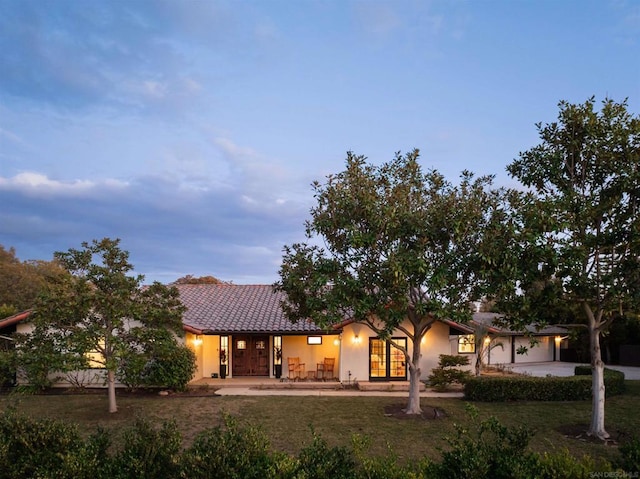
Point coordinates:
[(562, 465), (484, 449), (630, 455), (156, 359), (149, 452), (31, 448), (92, 310), (400, 245), (447, 372), (381, 466), (22, 281), (232, 451), (573, 242), (613, 379), (527, 388), (484, 343), (491, 450), (190, 279), (7, 364), (318, 460), (41, 357)]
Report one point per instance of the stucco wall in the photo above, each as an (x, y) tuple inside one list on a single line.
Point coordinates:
[(542, 351), (354, 361)]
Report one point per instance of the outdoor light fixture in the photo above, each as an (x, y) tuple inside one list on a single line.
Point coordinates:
[(198, 340), (356, 339), (336, 342)]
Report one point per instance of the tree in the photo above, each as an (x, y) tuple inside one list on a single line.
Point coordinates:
[(577, 236), (190, 279), (97, 308), (403, 249), (22, 281)]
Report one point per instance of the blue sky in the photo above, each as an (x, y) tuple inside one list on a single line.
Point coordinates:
[(192, 130)]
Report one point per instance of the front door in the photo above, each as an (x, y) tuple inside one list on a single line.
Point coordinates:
[(250, 355)]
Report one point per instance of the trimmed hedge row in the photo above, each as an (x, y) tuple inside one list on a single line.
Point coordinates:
[(528, 388)]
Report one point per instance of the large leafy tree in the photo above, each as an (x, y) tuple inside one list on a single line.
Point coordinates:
[(402, 249), (577, 241), (98, 308), (22, 281)]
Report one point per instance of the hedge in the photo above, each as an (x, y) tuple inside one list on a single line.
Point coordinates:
[(528, 388)]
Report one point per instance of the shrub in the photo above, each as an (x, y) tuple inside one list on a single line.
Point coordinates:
[(318, 461), (630, 452), (230, 452), (90, 461), (7, 367), (33, 448), (379, 466), (154, 358), (486, 450), (521, 388), (149, 451), (447, 372), (172, 368), (562, 465), (613, 379)]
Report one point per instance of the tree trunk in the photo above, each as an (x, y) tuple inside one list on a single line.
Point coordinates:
[(413, 407), (596, 429), (111, 386)]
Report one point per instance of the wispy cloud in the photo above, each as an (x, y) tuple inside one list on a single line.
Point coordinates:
[(169, 231), (39, 185)]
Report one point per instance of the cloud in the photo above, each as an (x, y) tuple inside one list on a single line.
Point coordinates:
[(39, 185), (121, 53), (168, 230)]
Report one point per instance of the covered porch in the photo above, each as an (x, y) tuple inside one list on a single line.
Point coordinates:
[(253, 356)]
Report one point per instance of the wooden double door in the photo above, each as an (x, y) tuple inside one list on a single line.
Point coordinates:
[(250, 355)]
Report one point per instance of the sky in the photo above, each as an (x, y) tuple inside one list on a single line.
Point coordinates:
[(192, 130)]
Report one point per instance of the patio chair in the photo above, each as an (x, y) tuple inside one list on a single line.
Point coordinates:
[(296, 368), (324, 370)]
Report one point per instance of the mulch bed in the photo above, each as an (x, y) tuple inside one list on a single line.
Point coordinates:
[(428, 413), (579, 433)]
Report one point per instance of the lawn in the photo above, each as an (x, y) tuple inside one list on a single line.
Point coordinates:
[(288, 421)]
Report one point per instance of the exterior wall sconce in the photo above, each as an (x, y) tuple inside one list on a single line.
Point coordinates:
[(558, 340), (197, 340), (487, 340), (356, 339), (336, 342)]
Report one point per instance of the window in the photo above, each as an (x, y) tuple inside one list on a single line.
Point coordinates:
[(467, 344), (95, 357), (314, 339), (241, 344), (387, 362)]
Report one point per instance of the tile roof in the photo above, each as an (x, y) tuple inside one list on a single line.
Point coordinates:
[(14, 319), (230, 308)]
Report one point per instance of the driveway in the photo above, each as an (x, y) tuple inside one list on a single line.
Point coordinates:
[(558, 368)]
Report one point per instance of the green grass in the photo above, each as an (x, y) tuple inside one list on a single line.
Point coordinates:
[(288, 421)]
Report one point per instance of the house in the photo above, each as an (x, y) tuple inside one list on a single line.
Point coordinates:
[(241, 330)]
